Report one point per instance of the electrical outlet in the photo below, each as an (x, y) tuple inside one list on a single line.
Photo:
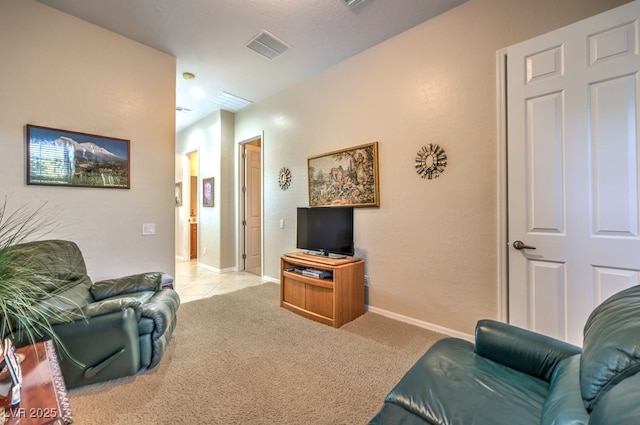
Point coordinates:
[(366, 280)]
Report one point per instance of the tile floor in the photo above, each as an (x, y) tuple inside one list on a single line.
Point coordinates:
[(194, 283)]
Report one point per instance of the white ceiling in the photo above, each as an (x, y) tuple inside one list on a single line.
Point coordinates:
[(209, 37)]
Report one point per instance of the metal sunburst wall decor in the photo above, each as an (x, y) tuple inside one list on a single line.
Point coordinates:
[(284, 178), (430, 161)]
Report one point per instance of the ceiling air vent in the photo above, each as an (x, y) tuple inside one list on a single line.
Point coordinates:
[(268, 45), (230, 102), (353, 3)]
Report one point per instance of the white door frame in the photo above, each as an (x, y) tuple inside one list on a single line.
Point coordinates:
[(619, 14), (502, 225), (184, 229), (240, 199)]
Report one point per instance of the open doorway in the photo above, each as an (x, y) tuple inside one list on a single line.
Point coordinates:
[(192, 202), (252, 205)]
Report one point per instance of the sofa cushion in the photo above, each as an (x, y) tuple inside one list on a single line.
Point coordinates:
[(563, 405), (611, 348), (151, 281), (60, 261), (620, 406), (392, 414), (72, 298), (452, 384)]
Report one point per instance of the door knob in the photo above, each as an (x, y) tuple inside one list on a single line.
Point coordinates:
[(520, 245)]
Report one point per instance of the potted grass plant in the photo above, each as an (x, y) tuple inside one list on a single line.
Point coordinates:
[(21, 285)]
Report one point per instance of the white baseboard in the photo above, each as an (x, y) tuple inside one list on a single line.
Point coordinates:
[(406, 319), (271, 279), (420, 323), (215, 269)]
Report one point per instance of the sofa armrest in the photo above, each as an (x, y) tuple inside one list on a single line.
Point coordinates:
[(126, 285), (98, 308), (161, 308), (520, 349)]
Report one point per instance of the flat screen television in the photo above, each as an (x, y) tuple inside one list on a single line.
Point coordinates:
[(325, 231)]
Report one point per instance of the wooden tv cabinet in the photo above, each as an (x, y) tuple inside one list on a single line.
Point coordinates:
[(333, 301)]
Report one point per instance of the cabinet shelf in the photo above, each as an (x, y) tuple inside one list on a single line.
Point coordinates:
[(326, 283), (333, 301)]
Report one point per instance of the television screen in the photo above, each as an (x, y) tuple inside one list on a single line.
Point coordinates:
[(326, 230)]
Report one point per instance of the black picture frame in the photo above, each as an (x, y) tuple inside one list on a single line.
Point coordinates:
[(58, 157)]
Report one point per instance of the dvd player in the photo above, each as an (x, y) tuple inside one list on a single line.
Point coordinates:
[(318, 274)]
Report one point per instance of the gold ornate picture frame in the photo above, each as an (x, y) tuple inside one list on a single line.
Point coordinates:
[(347, 177)]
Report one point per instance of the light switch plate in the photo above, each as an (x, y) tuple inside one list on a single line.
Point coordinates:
[(148, 229)]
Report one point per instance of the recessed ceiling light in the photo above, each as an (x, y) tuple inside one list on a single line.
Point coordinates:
[(188, 76)]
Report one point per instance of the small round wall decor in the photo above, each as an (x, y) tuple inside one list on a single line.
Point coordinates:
[(284, 178), (430, 161)]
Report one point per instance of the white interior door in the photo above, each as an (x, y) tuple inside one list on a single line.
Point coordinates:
[(573, 162), (253, 208)]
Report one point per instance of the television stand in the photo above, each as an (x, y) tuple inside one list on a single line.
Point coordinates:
[(335, 300)]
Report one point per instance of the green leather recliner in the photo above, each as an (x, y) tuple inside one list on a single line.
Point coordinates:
[(512, 376), (119, 327)]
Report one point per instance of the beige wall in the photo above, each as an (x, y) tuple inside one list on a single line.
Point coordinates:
[(213, 139), (431, 247), (227, 187), (59, 71)]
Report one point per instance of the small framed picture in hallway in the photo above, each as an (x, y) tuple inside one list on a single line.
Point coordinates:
[(207, 192), (177, 194)]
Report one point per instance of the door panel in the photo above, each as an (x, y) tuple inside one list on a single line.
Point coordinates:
[(608, 281), (545, 146), (573, 170), (613, 117), (253, 229), (548, 288)]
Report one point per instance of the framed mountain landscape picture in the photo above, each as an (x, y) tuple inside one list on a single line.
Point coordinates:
[(69, 158)]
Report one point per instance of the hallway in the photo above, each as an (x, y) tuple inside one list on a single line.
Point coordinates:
[(194, 283)]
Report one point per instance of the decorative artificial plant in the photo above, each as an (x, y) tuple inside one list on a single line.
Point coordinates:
[(21, 284)]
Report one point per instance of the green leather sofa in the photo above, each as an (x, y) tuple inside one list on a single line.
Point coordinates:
[(512, 376), (119, 326)]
